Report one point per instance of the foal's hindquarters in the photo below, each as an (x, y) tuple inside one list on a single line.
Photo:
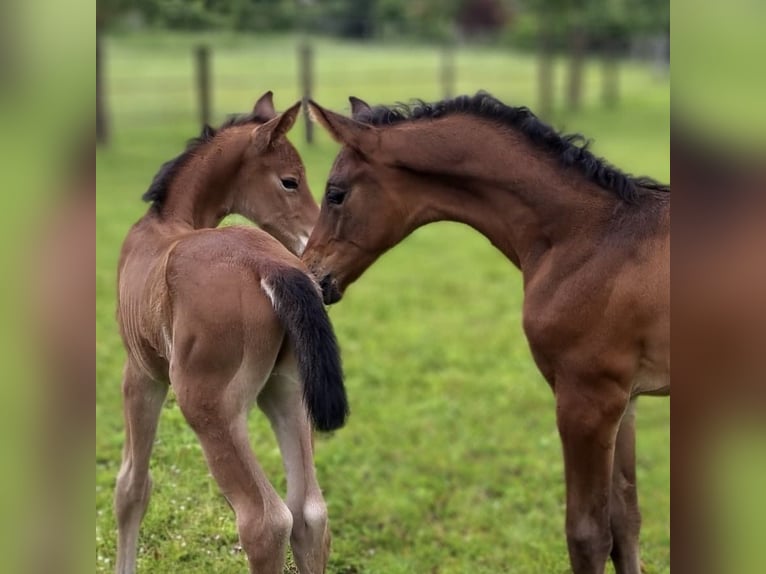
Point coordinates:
[(227, 347)]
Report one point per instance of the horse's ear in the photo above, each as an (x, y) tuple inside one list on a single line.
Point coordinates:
[(264, 135), (343, 130), (358, 106), (264, 107)]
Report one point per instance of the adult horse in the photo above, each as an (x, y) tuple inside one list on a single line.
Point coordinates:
[(592, 244), (228, 317)]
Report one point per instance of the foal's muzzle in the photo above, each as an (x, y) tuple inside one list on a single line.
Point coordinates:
[(330, 292)]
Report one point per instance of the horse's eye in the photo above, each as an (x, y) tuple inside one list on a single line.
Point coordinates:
[(335, 196), (289, 183)]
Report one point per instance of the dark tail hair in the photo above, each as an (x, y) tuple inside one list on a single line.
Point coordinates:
[(298, 304)]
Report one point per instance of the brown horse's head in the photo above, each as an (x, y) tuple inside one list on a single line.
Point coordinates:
[(270, 187), (361, 216)]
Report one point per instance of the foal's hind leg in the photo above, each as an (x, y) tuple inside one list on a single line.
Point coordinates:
[(143, 398), (217, 411), (282, 402), (624, 512)]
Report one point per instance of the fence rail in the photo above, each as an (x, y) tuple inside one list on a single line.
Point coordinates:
[(196, 83)]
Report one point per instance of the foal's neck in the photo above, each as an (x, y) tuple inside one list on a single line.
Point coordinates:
[(520, 198), (200, 195)]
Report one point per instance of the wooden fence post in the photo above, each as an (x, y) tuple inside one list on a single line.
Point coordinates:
[(202, 59), (448, 69), (545, 69), (610, 86), (306, 72), (577, 46), (102, 120)]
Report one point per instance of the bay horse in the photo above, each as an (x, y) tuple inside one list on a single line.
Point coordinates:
[(591, 242), (228, 317)]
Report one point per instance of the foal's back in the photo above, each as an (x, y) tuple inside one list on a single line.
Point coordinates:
[(203, 289)]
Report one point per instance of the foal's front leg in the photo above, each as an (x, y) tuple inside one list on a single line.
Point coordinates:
[(282, 401), (588, 414)]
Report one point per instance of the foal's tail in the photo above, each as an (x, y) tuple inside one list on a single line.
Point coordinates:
[(298, 304)]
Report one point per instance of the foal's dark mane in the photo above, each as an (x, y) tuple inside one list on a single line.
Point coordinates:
[(571, 149), (158, 190)]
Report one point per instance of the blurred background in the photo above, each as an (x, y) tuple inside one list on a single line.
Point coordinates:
[(450, 462), (163, 63)]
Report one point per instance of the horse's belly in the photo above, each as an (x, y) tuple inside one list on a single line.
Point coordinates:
[(649, 381)]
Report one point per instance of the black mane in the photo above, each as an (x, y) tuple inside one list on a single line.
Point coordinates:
[(571, 149), (158, 190)]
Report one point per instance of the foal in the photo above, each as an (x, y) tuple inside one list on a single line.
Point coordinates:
[(228, 317), (593, 246)]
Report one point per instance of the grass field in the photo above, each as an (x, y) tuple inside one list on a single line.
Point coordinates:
[(450, 462)]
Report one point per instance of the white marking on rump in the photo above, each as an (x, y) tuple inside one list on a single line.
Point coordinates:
[(303, 240), (168, 341), (269, 293)]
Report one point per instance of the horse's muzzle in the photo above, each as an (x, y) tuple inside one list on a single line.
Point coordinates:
[(330, 292)]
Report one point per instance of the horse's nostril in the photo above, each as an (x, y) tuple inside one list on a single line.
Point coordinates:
[(330, 292)]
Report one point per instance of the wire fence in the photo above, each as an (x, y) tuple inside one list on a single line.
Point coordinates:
[(151, 86)]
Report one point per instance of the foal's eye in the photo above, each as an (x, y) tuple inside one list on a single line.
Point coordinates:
[(335, 196), (289, 183)]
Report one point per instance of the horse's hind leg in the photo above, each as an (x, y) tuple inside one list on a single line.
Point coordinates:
[(217, 411), (624, 513), (143, 398), (282, 402)]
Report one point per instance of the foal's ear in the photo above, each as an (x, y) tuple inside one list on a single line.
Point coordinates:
[(264, 107), (358, 106), (343, 130), (266, 134)]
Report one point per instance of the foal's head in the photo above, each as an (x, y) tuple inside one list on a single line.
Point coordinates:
[(248, 167), (270, 187), (362, 216)]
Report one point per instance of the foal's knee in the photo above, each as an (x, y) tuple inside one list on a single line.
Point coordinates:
[(131, 495), (310, 537), (314, 516), (310, 522), (264, 536), (589, 541)]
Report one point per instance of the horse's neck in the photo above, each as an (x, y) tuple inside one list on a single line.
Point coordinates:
[(200, 195), (520, 199)]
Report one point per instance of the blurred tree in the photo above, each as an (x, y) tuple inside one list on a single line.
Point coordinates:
[(258, 15), (579, 26), (613, 24), (183, 14), (347, 18), (577, 46), (550, 15), (481, 16)]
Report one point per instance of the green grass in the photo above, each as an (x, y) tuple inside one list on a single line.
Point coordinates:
[(450, 462)]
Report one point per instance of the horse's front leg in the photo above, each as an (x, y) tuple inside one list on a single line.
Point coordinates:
[(588, 413), (625, 515)]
